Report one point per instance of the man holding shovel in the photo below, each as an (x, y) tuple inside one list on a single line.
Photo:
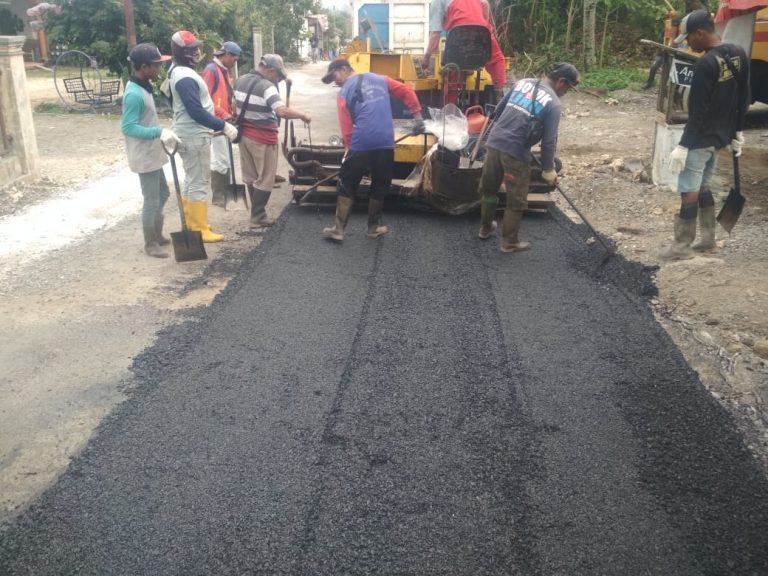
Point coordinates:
[(717, 109), (194, 122), (219, 81), (143, 137), (259, 101)]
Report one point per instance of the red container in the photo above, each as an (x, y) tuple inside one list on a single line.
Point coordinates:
[(475, 119)]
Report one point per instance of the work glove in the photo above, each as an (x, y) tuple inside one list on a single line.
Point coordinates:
[(737, 144), (169, 139), (549, 176), (677, 159), (418, 127), (229, 131)]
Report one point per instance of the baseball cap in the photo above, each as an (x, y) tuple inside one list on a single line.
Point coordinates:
[(185, 39), (230, 48), (146, 53), (337, 64), (694, 21), (567, 72), (274, 61)]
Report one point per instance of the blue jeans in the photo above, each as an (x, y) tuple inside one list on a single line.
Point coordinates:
[(699, 167)]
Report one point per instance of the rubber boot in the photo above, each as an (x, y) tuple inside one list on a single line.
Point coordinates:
[(198, 220), (685, 233), (259, 199), (488, 225), (162, 240), (509, 230), (375, 208), (151, 247), (343, 207), (219, 184), (707, 227)]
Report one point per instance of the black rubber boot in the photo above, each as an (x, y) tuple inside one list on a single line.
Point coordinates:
[(510, 228), (151, 246), (685, 233), (259, 199), (162, 240), (219, 184), (375, 209)]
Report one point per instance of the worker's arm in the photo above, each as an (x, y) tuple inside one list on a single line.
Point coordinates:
[(189, 93), (345, 121), (550, 124), (406, 95), (434, 42), (133, 107), (292, 114)]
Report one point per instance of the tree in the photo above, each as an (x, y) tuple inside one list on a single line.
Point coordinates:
[(588, 37)]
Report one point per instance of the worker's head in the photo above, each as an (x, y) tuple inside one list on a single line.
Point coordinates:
[(146, 61), (338, 72), (563, 77), (272, 68), (691, 5), (697, 28), (228, 54), (185, 48)]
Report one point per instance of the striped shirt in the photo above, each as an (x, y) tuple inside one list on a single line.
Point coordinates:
[(260, 121)]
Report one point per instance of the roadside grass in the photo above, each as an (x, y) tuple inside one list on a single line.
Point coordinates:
[(614, 78)]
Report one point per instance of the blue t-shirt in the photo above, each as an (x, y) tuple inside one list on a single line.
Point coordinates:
[(371, 112)]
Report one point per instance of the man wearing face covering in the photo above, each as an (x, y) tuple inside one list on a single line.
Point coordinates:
[(194, 122)]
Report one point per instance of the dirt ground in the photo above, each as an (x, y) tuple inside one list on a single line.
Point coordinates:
[(715, 306)]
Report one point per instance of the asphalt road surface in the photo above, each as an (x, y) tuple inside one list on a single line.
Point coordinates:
[(417, 405)]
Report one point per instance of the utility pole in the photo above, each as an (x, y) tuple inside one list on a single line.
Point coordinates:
[(130, 24)]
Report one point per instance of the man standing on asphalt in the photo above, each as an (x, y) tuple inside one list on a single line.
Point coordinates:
[(529, 113), (194, 122), (143, 137), (256, 93), (446, 14), (217, 77), (717, 109), (365, 117)]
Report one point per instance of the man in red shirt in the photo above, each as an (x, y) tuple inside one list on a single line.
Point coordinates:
[(256, 92), (446, 14), (217, 77)]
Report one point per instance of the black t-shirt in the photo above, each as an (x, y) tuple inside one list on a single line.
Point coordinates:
[(718, 102)]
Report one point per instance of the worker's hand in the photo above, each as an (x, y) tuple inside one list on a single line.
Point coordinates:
[(425, 64), (230, 131), (737, 144), (549, 176), (418, 127), (677, 159), (307, 118), (169, 139)]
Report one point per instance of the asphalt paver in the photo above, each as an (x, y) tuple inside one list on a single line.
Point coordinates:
[(420, 404)]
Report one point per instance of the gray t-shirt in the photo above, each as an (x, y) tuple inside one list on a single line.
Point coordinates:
[(523, 122)]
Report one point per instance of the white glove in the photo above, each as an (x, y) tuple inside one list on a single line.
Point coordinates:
[(229, 131), (169, 139), (549, 176), (737, 144), (677, 159)]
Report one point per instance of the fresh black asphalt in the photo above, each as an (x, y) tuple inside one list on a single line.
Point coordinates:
[(417, 405)]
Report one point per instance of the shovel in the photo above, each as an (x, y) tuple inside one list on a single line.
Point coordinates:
[(236, 197), (187, 244), (734, 203)]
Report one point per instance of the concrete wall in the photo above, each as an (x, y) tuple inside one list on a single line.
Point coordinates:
[(18, 154)]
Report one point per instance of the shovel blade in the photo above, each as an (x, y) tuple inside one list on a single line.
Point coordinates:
[(236, 198), (188, 246), (731, 210)]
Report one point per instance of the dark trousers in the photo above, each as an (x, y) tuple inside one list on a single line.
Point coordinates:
[(154, 188), (379, 163)]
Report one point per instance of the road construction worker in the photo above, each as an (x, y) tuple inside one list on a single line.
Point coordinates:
[(528, 114), (256, 95), (365, 117), (446, 14), (717, 109), (218, 79), (143, 138), (195, 123)]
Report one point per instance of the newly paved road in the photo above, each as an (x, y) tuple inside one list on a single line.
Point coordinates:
[(418, 405)]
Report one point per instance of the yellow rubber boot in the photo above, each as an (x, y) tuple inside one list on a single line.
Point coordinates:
[(198, 220)]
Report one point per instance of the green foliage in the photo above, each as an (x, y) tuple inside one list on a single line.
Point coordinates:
[(613, 78)]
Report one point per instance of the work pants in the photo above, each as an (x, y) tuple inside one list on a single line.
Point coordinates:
[(154, 188), (499, 168), (195, 155), (219, 155), (356, 164)]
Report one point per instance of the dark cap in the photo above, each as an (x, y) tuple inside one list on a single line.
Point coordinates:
[(337, 64), (567, 72), (274, 61), (229, 48), (696, 20), (185, 39), (146, 54)]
